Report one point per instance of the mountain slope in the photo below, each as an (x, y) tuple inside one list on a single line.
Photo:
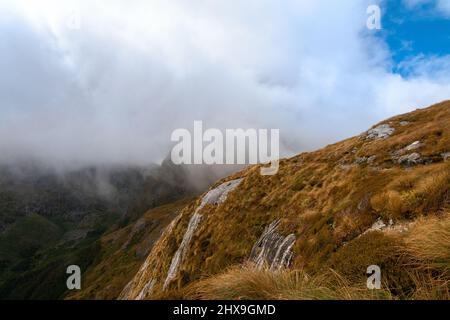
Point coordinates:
[(51, 218), (347, 206), (122, 252)]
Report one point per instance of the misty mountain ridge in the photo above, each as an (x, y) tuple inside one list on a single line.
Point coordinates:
[(49, 216), (381, 198)]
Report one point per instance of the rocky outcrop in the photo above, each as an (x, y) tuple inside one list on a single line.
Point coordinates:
[(182, 250), (405, 157), (365, 160), (147, 289), (413, 146), (273, 250), (144, 288), (381, 226), (404, 123), (410, 159), (382, 131), (219, 195), (215, 196)]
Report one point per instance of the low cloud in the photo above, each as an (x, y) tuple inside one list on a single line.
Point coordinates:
[(90, 83)]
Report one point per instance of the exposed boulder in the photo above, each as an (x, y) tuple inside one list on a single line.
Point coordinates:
[(382, 131), (413, 146), (404, 123), (380, 225), (410, 159), (365, 160)]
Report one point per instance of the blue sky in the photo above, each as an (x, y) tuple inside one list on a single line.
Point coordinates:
[(413, 28)]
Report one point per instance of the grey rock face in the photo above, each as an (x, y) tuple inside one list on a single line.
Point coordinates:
[(413, 146), (215, 196), (403, 156), (410, 159), (272, 249), (364, 160), (361, 160), (219, 194), (380, 225), (146, 290), (183, 248), (382, 131), (404, 123)]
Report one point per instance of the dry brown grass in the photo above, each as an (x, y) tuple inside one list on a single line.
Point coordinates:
[(415, 265), (433, 190), (429, 287), (427, 243), (247, 283), (389, 204), (416, 193)]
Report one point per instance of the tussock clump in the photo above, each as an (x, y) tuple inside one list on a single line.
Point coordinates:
[(248, 283), (415, 193), (430, 287), (389, 204), (373, 248), (427, 244)]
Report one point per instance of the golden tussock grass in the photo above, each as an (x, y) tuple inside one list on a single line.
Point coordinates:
[(248, 283), (422, 253), (415, 194), (427, 244)]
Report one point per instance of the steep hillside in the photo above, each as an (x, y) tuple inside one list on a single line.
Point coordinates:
[(359, 202), (123, 251)]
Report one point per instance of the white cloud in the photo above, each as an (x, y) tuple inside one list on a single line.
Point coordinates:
[(444, 6), (114, 89), (441, 6)]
